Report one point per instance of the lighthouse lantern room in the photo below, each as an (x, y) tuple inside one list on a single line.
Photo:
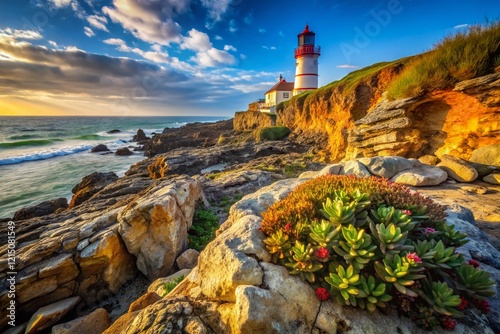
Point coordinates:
[(306, 65)]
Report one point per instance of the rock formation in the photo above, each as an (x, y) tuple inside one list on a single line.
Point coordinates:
[(41, 209), (252, 120)]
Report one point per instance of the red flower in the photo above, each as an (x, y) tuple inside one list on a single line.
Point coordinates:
[(288, 227), (483, 305), (464, 303), (322, 254), (413, 258), (448, 323), (407, 212), (322, 294), (474, 263)]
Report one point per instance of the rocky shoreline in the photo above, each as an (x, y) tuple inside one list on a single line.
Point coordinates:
[(120, 234)]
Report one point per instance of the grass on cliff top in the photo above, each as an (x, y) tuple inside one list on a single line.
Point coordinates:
[(462, 56)]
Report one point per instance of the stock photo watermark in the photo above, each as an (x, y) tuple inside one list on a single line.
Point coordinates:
[(363, 36), (11, 273)]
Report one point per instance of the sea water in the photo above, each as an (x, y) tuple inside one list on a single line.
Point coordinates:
[(42, 158)]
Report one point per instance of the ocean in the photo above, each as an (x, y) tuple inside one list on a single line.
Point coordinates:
[(42, 158)]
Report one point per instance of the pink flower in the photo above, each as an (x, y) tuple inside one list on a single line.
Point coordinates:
[(413, 258), (322, 253), (474, 263), (429, 230), (288, 227), (406, 212), (322, 294)]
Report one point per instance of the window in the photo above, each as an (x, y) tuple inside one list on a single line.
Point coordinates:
[(285, 95)]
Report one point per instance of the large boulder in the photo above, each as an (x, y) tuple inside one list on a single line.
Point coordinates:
[(493, 178), (140, 136), (99, 148), (387, 166), (154, 227), (50, 314), (457, 169), (90, 185), (123, 151), (421, 176), (487, 155), (42, 209), (93, 323)]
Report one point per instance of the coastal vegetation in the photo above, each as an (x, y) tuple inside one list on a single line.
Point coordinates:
[(169, 286), (462, 56), (202, 231), (271, 133), (370, 243)]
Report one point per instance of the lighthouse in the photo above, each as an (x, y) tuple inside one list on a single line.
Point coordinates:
[(306, 63)]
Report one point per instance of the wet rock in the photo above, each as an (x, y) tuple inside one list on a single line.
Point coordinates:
[(123, 151), (114, 131), (42, 209), (140, 136), (99, 148)]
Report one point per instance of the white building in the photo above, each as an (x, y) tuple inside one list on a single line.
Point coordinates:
[(306, 73)]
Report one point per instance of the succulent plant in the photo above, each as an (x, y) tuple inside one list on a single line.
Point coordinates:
[(338, 212), (372, 294), (445, 257), (323, 233), (345, 282), (356, 248), (277, 244), (449, 235), (391, 239), (399, 272), (442, 299), (302, 262), (476, 283)]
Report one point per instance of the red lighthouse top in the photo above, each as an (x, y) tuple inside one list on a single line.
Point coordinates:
[(306, 40)]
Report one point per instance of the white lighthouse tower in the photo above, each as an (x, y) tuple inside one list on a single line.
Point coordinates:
[(306, 55)]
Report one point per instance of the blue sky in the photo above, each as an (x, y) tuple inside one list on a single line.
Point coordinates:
[(198, 57)]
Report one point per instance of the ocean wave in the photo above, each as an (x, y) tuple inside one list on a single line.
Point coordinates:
[(18, 137), (34, 142), (92, 137), (43, 155)]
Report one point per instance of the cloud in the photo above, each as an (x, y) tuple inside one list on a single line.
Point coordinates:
[(150, 21), (461, 26), (98, 22), (347, 66), (20, 34), (232, 26), (269, 47), (196, 41), (229, 48), (216, 8), (262, 30), (60, 3), (54, 44), (218, 38), (119, 43), (214, 58), (251, 87), (89, 32), (248, 19)]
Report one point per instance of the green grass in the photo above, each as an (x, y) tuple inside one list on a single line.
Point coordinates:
[(169, 286), (458, 57), (272, 133), (226, 202), (202, 231)]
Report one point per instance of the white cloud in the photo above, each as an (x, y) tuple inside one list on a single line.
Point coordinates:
[(262, 30), (229, 48), (150, 21), (347, 66), (253, 87), (98, 22), (89, 32), (196, 40), (61, 3), (119, 43), (20, 34), (243, 57), (269, 47), (232, 26), (213, 58), (54, 44), (216, 8), (461, 26), (218, 38)]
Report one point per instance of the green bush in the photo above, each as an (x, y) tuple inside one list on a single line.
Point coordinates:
[(370, 243), (202, 231), (271, 133), (458, 57)]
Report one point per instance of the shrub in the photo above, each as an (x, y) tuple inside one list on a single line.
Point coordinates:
[(458, 57), (370, 243), (202, 231), (272, 133)]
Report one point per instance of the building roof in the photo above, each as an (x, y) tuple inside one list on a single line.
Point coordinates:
[(282, 86)]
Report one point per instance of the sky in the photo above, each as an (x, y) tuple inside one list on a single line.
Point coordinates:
[(199, 57)]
